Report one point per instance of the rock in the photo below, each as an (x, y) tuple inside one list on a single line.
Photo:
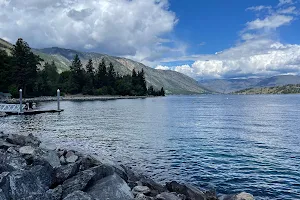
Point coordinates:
[(121, 172), (189, 191), (23, 140), (11, 162), (111, 187), (88, 162), (141, 189), (2, 195), (101, 171), (54, 194), (156, 188), (12, 150), (4, 185), (167, 196), (48, 146), (62, 160), (43, 174), (48, 156), (69, 154), (27, 150), (71, 159), (142, 197), (78, 195), (26, 185), (61, 152), (78, 182), (244, 196), (240, 196), (5, 145), (64, 172)]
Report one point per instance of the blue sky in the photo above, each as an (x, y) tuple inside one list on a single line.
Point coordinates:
[(202, 39), (217, 23)]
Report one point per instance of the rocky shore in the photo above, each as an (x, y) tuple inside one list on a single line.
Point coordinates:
[(71, 98), (30, 171)]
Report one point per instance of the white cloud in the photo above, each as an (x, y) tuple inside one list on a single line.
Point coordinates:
[(260, 57), (284, 2), (259, 8), (121, 27), (289, 10), (162, 67), (270, 22)]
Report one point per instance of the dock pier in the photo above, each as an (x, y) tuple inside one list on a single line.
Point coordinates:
[(19, 109)]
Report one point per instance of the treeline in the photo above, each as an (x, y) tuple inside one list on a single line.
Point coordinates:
[(21, 70)]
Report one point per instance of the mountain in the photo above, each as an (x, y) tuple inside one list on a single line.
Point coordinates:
[(233, 85), (173, 82), (286, 89)]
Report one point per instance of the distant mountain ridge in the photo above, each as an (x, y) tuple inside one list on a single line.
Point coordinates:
[(233, 85), (173, 82)]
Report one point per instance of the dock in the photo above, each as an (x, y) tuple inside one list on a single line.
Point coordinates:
[(34, 112)]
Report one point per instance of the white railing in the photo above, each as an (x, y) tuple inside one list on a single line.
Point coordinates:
[(14, 108)]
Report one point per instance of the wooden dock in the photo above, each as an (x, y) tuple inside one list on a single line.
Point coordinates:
[(34, 112)]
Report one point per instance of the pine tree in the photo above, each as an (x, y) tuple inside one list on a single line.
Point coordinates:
[(142, 82), (111, 75), (77, 76), (90, 79), (5, 71), (25, 65), (162, 92), (101, 75)]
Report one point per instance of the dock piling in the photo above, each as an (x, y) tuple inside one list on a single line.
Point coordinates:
[(58, 99), (21, 103)]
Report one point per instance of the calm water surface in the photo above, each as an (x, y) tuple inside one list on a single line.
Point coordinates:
[(231, 143)]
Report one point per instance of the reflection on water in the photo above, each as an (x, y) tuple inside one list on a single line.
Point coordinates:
[(233, 143)]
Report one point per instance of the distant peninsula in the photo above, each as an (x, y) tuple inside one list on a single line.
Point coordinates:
[(286, 89)]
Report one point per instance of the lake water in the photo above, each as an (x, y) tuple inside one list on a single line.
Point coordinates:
[(231, 143)]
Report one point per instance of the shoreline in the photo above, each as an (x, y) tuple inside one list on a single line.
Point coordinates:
[(30, 170), (72, 98)]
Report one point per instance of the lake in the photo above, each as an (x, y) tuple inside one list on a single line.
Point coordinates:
[(228, 142)]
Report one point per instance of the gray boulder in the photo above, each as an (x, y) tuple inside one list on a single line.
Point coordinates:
[(27, 150), (141, 189), (167, 196), (29, 184), (64, 172), (78, 182), (142, 197), (78, 195), (111, 187), (5, 145), (23, 140), (189, 191), (48, 156), (72, 159), (4, 185), (11, 162), (2, 195), (240, 196), (88, 162), (54, 194)]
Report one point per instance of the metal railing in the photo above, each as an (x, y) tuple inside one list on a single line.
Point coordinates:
[(14, 108)]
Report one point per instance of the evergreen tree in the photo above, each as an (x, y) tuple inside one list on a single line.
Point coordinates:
[(162, 92), (25, 65), (142, 83), (101, 75), (90, 79), (6, 71), (111, 75), (77, 76)]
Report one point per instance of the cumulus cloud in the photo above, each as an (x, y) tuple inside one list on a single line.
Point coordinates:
[(252, 58), (162, 67), (119, 27), (256, 54)]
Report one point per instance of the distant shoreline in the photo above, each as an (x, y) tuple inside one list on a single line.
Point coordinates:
[(72, 98)]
